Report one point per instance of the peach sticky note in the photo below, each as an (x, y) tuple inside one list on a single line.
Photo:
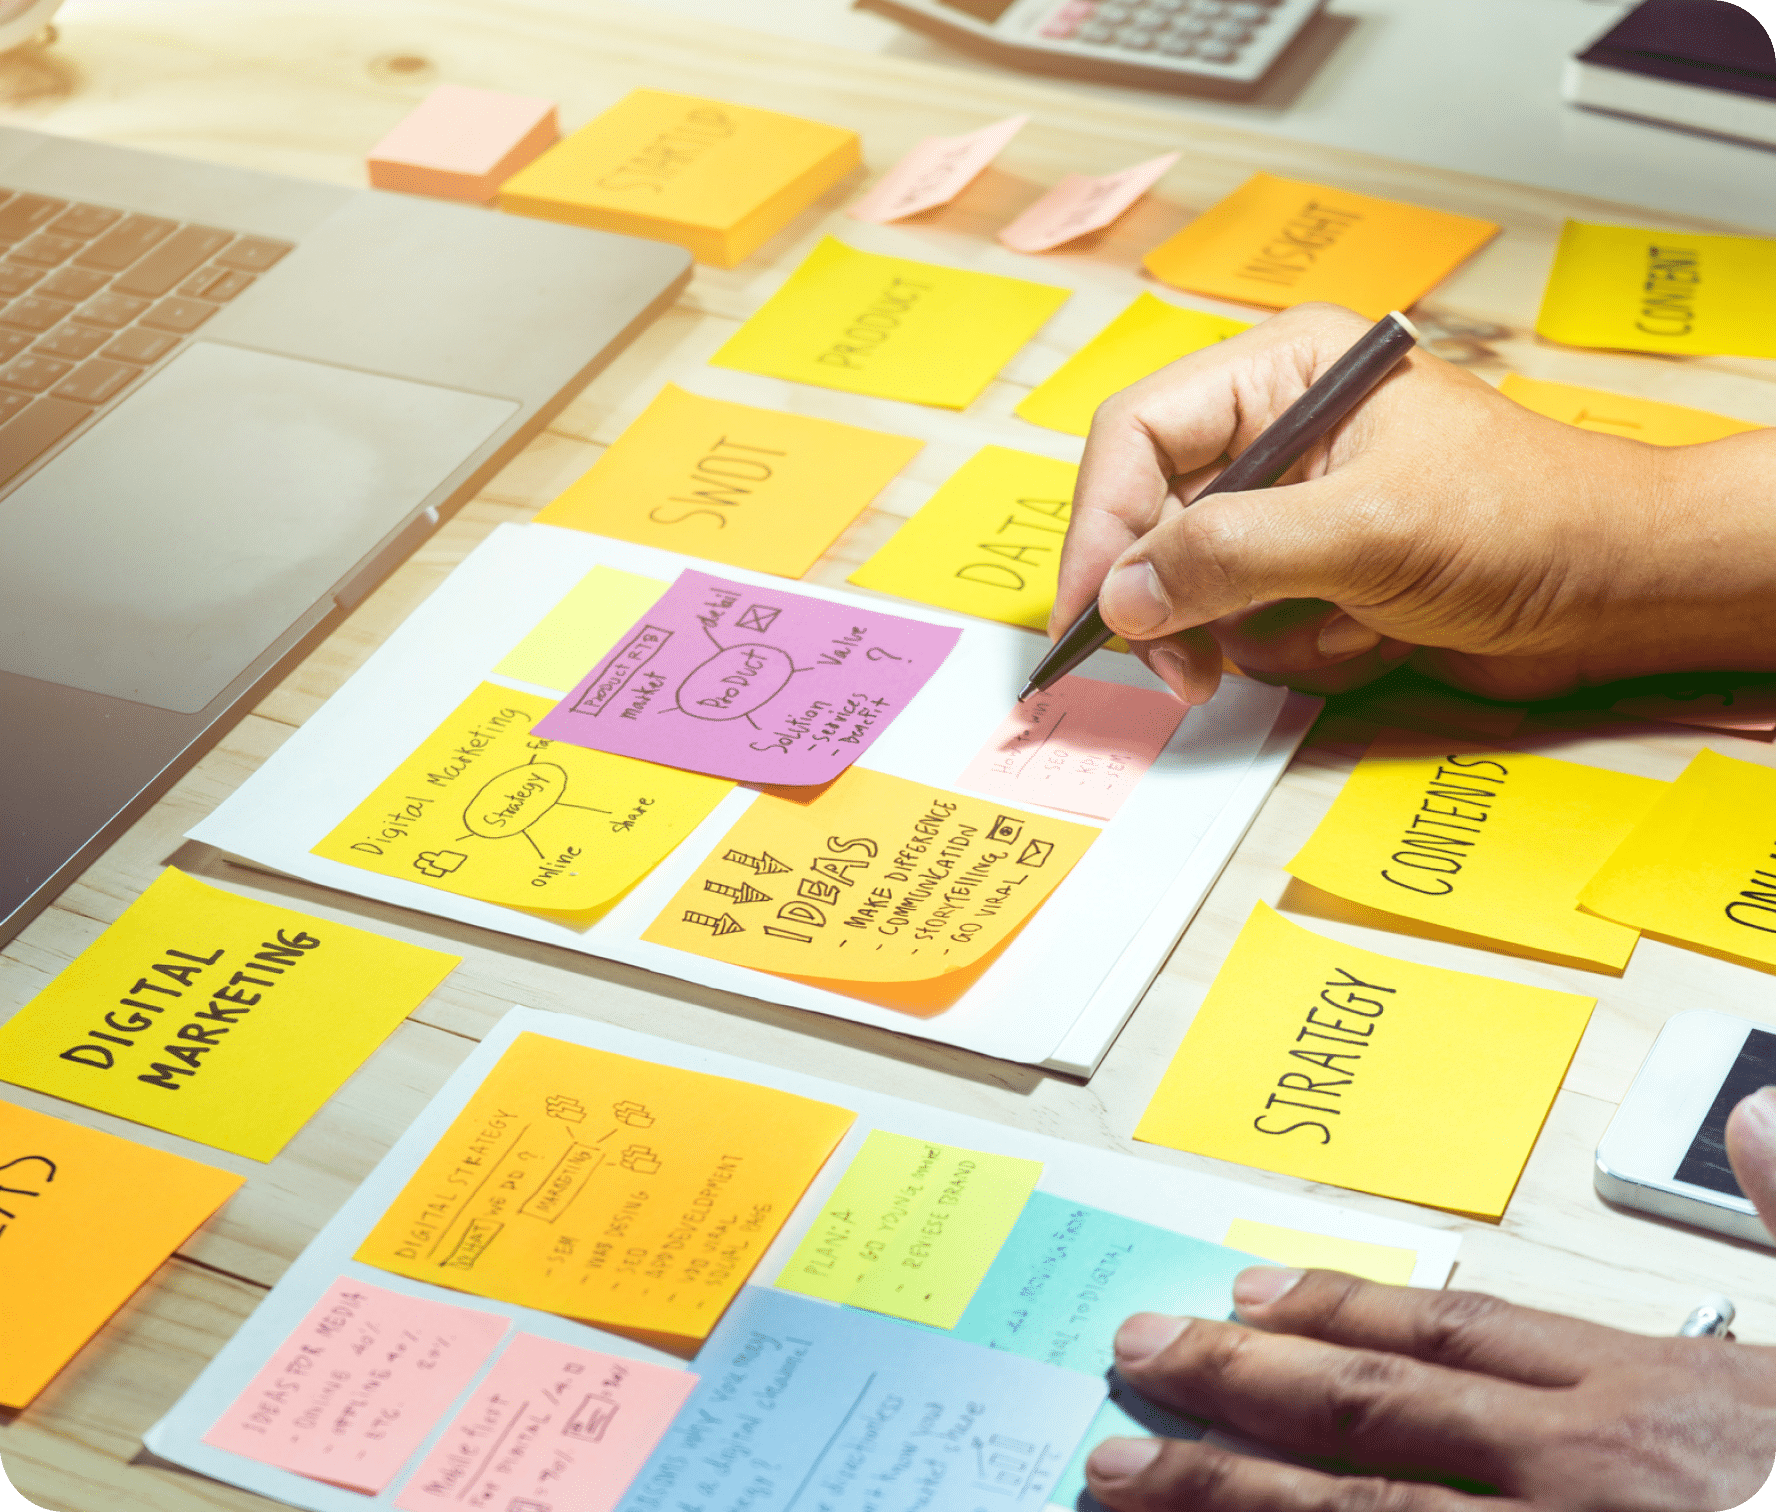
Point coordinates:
[(1304, 1251), (988, 542), (1318, 1060), (876, 879), (891, 327), (490, 810), (1081, 746), (1619, 414), (551, 1425), (718, 179), (912, 1228), (628, 1194), (1145, 337), (1641, 290), (933, 173), (358, 1385), (1280, 242), (1489, 844), (1079, 204), (461, 143), (85, 1219), (730, 483), (216, 1017), (1700, 866)]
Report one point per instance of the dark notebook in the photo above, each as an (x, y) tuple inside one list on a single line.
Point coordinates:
[(1712, 44)]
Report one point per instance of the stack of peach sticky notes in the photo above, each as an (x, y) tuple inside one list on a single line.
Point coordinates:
[(463, 143), (719, 180)]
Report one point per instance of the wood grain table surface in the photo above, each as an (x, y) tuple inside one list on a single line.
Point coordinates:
[(305, 87)]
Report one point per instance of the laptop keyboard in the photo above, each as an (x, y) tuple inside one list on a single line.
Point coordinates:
[(93, 299)]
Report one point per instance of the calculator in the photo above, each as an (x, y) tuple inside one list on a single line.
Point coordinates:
[(1221, 47)]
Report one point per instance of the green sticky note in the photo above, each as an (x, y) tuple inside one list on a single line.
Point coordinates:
[(571, 638), (912, 1228)]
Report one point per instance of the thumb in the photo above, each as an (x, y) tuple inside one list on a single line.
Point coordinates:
[(1751, 1150), (1225, 553)]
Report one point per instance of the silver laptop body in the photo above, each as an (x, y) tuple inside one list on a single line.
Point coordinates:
[(230, 403)]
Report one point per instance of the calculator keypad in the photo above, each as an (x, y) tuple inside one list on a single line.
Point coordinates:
[(1213, 31)]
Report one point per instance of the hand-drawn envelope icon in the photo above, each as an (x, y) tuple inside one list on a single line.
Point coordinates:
[(758, 618), (1036, 853)]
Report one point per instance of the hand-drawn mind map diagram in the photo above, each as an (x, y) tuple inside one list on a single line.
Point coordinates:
[(751, 684)]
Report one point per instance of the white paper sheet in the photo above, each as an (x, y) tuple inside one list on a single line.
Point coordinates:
[(1120, 911), (1184, 1201)]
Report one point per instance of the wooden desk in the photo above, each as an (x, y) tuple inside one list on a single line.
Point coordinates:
[(305, 86)]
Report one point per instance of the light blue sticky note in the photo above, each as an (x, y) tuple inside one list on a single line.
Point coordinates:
[(806, 1404), (1068, 1276)]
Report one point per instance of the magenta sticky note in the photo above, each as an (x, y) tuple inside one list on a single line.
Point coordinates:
[(551, 1426), (933, 173), (755, 684), (462, 143), (1080, 747), (1078, 205), (355, 1389)]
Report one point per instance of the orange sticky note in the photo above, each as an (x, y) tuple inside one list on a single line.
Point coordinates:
[(628, 1194), (358, 1385), (875, 880), (552, 1425), (1081, 746), (730, 483), (1079, 205), (461, 143), (1646, 420), (1280, 242), (85, 1219), (933, 173)]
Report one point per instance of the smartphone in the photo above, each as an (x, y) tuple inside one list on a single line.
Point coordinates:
[(1665, 1150)]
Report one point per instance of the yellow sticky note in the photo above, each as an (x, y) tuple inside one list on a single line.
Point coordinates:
[(1141, 340), (1304, 1251), (486, 809), (1641, 290), (570, 639), (216, 1017), (1700, 866), (621, 1192), (716, 178), (1319, 1060), (876, 879), (85, 1219), (1494, 844), (912, 1228), (891, 327), (730, 483), (988, 542), (1279, 242), (1619, 414)]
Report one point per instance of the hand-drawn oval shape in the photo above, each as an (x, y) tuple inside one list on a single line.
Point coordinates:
[(732, 683), (515, 800)]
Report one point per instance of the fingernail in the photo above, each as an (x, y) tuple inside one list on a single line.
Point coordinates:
[(1260, 1284), (1759, 1110), (1168, 667), (1344, 637), (1133, 601), (1145, 1334), (1119, 1458)]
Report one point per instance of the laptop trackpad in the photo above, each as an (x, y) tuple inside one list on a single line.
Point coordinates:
[(194, 524)]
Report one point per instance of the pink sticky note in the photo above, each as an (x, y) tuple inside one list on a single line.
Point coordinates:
[(355, 1389), (552, 1426), (1079, 204), (462, 143), (933, 173), (1080, 747), (1745, 711), (756, 684)]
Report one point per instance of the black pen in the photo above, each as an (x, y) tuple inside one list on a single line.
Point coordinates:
[(1339, 390)]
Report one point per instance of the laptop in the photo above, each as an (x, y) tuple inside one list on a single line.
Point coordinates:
[(230, 403)]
